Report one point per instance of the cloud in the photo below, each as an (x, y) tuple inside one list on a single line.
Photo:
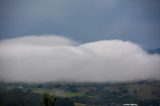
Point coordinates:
[(53, 58)]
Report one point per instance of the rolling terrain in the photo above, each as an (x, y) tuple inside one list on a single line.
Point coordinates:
[(144, 92)]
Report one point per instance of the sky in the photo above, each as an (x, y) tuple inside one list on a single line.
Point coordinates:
[(83, 20), (79, 40)]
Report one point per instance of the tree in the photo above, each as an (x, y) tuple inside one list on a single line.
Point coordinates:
[(48, 99)]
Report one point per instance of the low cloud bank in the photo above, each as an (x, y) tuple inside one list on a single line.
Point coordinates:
[(54, 58)]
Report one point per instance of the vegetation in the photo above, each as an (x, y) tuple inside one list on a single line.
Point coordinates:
[(18, 97), (48, 99), (78, 94)]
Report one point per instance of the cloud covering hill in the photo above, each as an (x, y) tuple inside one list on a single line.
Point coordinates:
[(53, 58)]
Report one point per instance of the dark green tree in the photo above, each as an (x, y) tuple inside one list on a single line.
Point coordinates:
[(48, 99)]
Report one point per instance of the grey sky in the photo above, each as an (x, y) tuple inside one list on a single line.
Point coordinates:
[(83, 20)]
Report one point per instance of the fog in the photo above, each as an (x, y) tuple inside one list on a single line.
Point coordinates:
[(57, 58)]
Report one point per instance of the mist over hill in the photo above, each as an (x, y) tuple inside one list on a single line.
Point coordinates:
[(56, 58)]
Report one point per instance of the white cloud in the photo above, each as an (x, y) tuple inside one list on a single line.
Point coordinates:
[(52, 58)]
